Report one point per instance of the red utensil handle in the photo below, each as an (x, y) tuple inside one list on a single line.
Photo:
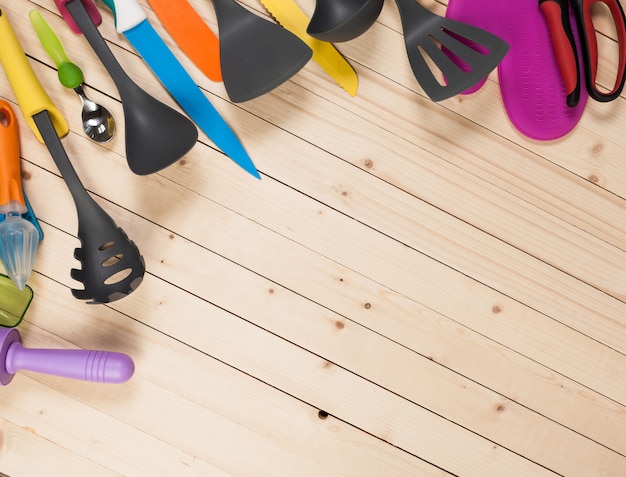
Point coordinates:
[(556, 13)]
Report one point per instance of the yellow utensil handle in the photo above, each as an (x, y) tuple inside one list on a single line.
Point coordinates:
[(30, 95)]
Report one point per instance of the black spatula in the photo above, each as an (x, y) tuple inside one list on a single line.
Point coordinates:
[(426, 33), (256, 55)]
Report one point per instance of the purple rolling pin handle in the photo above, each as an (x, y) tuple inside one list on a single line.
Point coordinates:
[(87, 365)]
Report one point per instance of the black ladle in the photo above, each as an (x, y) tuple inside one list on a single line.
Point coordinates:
[(343, 20), (156, 135)]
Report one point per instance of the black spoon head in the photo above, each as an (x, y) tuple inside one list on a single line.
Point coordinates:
[(256, 55), (156, 135)]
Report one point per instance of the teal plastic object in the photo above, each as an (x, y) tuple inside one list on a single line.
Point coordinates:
[(18, 246), (30, 216)]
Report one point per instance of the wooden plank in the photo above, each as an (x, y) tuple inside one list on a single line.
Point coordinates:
[(376, 369), (196, 388), (21, 444)]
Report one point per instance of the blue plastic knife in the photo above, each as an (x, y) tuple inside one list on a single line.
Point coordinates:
[(132, 21)]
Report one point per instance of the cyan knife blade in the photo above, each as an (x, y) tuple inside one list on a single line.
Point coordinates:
[(133, 23)]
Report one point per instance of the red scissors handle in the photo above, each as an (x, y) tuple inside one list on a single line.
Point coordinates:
[(556, 13), (590, 46)]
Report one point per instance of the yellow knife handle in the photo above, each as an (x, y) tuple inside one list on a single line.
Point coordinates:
[(30, 95)]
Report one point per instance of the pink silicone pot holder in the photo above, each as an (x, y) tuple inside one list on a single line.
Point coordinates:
[(530, 83)]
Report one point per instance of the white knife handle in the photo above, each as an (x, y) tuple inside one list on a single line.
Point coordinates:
[(127, 13)]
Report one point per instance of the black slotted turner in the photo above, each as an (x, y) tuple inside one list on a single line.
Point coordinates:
[(462, 66)]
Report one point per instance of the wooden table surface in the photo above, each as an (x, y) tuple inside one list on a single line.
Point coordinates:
[(412, 288)]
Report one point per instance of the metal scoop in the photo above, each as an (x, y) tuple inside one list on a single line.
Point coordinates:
[(98, 122)]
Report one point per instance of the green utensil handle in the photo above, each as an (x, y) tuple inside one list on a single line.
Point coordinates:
[(70, 75)]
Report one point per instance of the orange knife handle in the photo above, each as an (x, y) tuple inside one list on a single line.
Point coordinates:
[(11, 195), (192, 34)]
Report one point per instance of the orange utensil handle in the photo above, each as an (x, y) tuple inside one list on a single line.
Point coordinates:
[(192, 35), (11, 195)]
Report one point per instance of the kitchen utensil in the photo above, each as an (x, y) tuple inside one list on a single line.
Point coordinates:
[(291, 16), (156, 135), (19, 238), (112, 265), (556, 13), (13, 302), (343, 20), (256, 54), (424, 34), (87, 365), (30, 216), (131, 20), (98, 122), (192, 35), (532, 90)]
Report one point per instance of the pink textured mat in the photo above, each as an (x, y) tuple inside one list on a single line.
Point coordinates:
[(532, 90)]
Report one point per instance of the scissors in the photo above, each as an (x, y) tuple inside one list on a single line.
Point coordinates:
[(557, 14)]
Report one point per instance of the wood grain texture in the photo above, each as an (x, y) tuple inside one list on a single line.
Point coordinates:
[(412, 289)]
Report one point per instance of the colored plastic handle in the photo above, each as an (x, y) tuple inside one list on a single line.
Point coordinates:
[(556, 14), (86, 365), (70, 75), (590, 46), (90, 7), (30, 95), (127, 14), (11, 194), (192, 34)]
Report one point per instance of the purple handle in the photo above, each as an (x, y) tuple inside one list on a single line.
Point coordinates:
[(87, 365)]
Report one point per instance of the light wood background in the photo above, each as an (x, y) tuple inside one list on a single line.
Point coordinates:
[(412, 289)]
